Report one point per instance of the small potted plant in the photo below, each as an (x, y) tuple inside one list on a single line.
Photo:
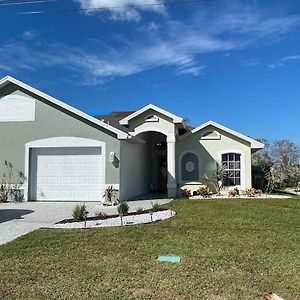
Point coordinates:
[(109, 195)]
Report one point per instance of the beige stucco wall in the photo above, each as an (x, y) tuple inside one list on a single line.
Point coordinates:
[(209, 150)]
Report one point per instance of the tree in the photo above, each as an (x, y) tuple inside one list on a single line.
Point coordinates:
[(263, 157), (286, 167)]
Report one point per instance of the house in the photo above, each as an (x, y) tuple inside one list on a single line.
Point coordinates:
[(67, 155)]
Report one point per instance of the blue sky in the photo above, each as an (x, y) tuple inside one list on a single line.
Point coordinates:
[(234, 62)]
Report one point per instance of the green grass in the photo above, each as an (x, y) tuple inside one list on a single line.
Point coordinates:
[(230, 249)]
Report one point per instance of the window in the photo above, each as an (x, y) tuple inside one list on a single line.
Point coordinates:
[(189, 167), (232, 163)]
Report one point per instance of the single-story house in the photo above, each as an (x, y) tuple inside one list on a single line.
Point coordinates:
[(68, 155)]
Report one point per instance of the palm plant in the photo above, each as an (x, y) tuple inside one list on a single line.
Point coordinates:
[(216, 175), (109, 193)]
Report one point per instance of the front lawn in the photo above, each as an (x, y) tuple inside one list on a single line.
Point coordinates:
[(230, 249)]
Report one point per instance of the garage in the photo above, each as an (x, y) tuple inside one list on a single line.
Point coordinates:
[(67, 174)]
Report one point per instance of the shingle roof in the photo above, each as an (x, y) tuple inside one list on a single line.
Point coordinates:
[(114, 118)]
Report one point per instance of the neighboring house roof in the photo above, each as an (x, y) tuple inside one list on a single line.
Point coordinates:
[(254, 143), (8, 79), (174, 118), (114, 118)]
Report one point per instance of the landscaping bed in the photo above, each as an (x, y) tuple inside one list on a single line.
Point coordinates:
[(132, 218), (104, 216)]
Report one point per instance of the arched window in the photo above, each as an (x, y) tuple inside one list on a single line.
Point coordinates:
[(189, 167), (232, 164)]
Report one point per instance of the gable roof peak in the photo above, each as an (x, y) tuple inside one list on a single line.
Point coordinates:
[(174, 118), (9, 79), (254, 143)]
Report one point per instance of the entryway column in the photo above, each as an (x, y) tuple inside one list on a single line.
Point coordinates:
[(172, 185)]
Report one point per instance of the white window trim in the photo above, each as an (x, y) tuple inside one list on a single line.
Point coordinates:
[(243, 173), (181, 181), (60, 142)]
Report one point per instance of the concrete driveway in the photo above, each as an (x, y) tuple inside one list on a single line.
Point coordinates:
[(17, 219)]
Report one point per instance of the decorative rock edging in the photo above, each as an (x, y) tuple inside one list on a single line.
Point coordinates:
[(116, 221), (263, 196)]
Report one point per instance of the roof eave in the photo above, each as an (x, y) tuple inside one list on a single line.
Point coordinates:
[(8, 79), (174, 118), (253, 143)]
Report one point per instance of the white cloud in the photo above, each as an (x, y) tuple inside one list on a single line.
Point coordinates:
[(122, 9), (176, 45), (30, 34), (275, 65), (250, 62), (291, 57), (193, 70), (254, 23), (282, 61), (152, 26)]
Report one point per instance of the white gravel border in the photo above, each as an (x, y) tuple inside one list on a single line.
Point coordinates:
[(263, 196), (116, 221)]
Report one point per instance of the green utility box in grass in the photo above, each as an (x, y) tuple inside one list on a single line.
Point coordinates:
[(173, 259)]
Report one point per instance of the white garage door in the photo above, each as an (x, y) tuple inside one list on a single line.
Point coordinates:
[(67, 174)]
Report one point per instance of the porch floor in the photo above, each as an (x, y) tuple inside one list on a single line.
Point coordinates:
[(151, 196)]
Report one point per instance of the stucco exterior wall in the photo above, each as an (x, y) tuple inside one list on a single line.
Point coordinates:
[(163, 125), (212, 149), (134, 170), (50, 122)]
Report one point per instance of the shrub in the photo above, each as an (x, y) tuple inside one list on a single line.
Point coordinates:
[(17, 194), (123, 208), (204, 191), (156, 206), (139, 210), (78, 212), (186, 193), (4, 192), (10, 184), (252, 192), (101, 215), (233, 192)]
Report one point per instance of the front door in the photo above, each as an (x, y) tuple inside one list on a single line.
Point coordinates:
[(162, 174)]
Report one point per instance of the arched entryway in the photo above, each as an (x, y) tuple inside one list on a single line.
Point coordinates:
[(155, 162)]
